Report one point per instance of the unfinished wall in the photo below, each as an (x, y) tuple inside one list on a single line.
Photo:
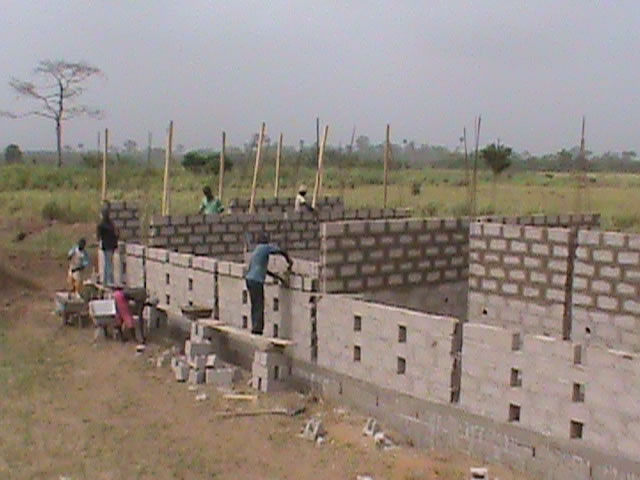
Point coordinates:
[(553, 387), (334, 205), (135, 265), (585, 221), (518, 277), (125, 218), (381, 254), (394, 348), (606, 289)]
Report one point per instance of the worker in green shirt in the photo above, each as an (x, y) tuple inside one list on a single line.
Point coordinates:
[(210, 205)]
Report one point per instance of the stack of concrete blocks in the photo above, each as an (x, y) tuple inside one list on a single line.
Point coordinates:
[(553, 387), (518, 277), (381, 254), (606, 290), (284, 204), (125, 218), (270, 370), (200, 351), (135, 265), (582, 220), (394, 348)]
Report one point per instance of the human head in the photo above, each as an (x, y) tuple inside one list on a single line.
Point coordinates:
[(263, 238), (105, 212), (302, 189), (82, 243), (207, 192)]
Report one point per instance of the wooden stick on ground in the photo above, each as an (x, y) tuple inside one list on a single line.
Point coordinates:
[(252, 413), (104, 164), (167, 162), (387, 146), (318, 186), (278, 158), (221, 174), (255, 170)]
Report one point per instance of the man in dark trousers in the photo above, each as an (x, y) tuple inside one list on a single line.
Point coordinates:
[(108, 238), (255, 279)]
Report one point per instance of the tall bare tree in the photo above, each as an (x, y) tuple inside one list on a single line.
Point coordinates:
[(57, 88)]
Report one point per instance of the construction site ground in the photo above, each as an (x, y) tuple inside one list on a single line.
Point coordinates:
[(72, 409)]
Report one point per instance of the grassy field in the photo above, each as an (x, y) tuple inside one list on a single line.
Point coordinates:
[(71, 195)]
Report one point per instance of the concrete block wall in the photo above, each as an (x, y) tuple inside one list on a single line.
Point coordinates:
[(379, 254), (518, 277), (553, 387), (224, 236), (125, 218), (135, 264), (606, 289), (283, 204), (393, 348), (582, 220)]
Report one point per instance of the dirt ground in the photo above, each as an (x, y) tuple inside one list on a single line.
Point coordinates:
[(70, 409)]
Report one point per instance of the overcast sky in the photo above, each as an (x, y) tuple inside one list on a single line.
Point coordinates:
[(532, 68)]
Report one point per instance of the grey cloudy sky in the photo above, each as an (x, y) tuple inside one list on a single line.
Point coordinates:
[(530, 67)]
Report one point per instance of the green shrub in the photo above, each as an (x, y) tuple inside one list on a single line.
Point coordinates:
[(625, 221), (416, 188), (460, 210), (53, 211), (432, 208)]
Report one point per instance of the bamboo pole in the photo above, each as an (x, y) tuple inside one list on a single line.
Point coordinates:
[(467, 179), (318, 186), (386, 166), (221, 175), (255, 170), (278, 158), (474, 180), (167, 162), (104, 164)]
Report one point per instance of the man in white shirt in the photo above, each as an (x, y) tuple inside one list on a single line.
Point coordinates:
[(301, 204)]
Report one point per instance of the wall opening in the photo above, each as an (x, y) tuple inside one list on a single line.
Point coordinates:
[(402, 334), (514, 412), (245, 321), (275, 330), (575, 429), (578, 393), (402, 366), (516, 342), (167, 279), (276, 304), (191, 284), (245, 294), (276, 372), (516, 378), (357, 353), (357, 323), (577, 355), (168, 299)]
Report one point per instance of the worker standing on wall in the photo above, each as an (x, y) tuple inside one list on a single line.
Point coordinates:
[(108, 237), (256, 276), (301, 204), (210, 205)]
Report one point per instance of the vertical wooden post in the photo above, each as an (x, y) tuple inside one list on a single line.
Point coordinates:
[(256, 167), (387, 146), (167, 162), (318, 186), (104, 164), (221, 174), (278, 157), (467, 176), (150, 138), (98, 143), (474, 180)]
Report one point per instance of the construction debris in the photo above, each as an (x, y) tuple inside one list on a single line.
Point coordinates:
[(240, 396), (313, 430), (479, 473), (371, 427), (201, 397), (383, 442), (253, 413)]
